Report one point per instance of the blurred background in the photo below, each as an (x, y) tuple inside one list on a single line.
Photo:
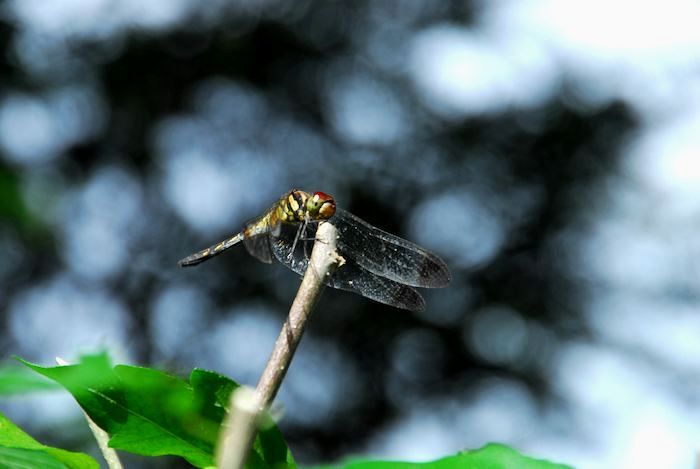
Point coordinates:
[(548, 151)]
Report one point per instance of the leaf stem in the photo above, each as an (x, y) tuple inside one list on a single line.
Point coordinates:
[(110, 455), (239, 427)]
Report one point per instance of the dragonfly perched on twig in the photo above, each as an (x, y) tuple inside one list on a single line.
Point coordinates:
[(378, 265)]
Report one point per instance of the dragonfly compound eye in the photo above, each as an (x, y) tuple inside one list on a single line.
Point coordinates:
[(321, 205)]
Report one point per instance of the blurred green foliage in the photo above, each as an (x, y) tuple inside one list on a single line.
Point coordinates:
[(19, 450)]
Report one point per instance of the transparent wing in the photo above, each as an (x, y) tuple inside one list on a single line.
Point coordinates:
[(258, 246), (350, 276), (387, 255), (256, 237)]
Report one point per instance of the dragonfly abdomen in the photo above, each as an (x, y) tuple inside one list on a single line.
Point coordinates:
[(211, 251)]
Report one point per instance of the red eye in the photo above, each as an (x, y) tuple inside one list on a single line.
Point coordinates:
[(325, 204), (322, 196)]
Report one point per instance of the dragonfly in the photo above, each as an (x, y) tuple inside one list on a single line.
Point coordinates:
[(378, 265)]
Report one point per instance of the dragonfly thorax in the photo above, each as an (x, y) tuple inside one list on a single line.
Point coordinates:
[(299, 206)]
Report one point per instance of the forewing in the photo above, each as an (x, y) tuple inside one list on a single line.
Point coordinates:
[(349, 276), (387, 255)]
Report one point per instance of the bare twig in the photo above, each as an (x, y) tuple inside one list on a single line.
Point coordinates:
[(100, 435), (239, 435), (239, 428)]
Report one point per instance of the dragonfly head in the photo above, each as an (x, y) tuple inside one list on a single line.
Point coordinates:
[(321, 206)]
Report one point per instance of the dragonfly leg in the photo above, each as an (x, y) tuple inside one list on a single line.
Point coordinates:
[(297, 236), (309, 238), (304, 239)]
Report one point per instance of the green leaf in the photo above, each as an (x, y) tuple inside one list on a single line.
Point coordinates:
[(491, 456), (19, 450), (145, 411), (152, 413), (16, 379)]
